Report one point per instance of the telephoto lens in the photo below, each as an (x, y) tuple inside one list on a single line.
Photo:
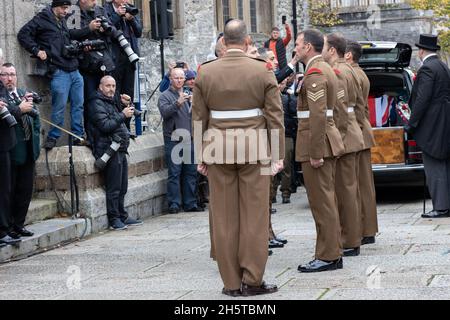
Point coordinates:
[(6, 116), (133, 57), (101, 162)]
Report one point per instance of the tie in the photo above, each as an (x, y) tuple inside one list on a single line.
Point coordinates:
[(25, 123)]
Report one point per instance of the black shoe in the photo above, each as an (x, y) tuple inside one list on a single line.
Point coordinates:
[(286, 200), (321, 265), (280, 239), (367, 240), (23, 232), (275, 244), (351, 252), (232, 293), (117, 225), (264, 288), (79, 143), (132, 222), (50, 143), (8, 240), (174, 210), (274, 199), (436, 214), (14, 234), (195, 209), (270, 252), (273, 211)]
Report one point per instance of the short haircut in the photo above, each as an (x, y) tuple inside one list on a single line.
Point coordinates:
[(177, 69), (102, 80), (8, 65), (355, 49), (235, 33), (275, 29), (338, 42), (315, 38)]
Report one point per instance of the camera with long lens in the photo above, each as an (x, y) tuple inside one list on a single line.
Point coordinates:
[(110, 30), (75, 48), (131, 9), (103, 160), (6, 116)]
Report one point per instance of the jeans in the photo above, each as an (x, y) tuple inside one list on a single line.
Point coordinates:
[(182, 180), (67, 86)]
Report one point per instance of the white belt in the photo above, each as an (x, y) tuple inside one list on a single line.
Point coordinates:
[(350, 109), (305, 114), (236, 114)]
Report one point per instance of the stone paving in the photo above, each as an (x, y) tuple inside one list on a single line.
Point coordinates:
[(168, 258)]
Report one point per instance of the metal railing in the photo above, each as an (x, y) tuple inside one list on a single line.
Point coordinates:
[(362, 3)]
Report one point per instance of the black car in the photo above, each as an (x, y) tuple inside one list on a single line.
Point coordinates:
[(396, 160)]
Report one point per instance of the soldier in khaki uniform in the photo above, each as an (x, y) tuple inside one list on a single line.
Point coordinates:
[(366, 194), (318, 145), (346, 167), (238, 92)]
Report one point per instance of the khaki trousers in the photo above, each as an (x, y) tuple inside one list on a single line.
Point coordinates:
[(347, 198), (320, 188), (239, 202), (367, 197)]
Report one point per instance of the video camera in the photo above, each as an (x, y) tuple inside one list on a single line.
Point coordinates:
[(75, 48), (110, 30)]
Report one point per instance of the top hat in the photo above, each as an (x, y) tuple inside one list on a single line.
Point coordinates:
[(428, 42)]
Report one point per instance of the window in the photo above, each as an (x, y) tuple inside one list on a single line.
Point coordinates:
[(256, 14)]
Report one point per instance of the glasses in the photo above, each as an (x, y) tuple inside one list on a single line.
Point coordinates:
[(7, 74)]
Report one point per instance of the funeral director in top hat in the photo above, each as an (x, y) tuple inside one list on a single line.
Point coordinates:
[(430, 123)]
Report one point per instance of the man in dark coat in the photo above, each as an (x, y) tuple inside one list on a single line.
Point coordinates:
[(24, 154), (107, 126), (278, 45), (430, 123)]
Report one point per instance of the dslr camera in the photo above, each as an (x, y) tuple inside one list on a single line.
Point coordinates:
[(179, 64), (6, 115), (131, 9), (75, 48), (110, 30)]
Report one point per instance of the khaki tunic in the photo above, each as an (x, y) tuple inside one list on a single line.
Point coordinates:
[(318, 138), (238, 180)]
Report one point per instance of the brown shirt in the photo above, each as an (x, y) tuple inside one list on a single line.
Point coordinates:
[(317, 135), (235, 83)]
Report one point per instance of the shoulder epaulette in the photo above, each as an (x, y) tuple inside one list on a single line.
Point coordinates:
[(314, 70)]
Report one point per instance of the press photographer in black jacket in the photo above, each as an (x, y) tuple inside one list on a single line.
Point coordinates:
[(7, 142), (46, 37), (94, 64), (110, 139)]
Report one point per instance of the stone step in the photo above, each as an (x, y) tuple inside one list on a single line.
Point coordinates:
[(40, 210), (48, 235)]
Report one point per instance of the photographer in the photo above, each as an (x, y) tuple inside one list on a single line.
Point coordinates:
[(175, 108), (107, 126), (96, 63), (25, 152), (123, 17), (7, 143), (46, 37), (278, 45)]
